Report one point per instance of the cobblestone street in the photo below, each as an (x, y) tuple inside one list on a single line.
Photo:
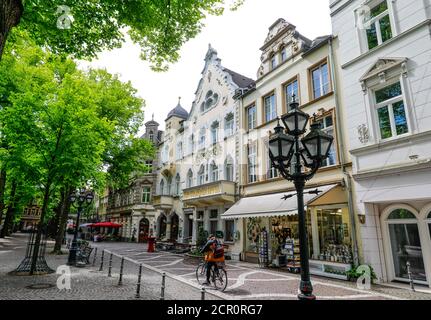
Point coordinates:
[(246, 281)]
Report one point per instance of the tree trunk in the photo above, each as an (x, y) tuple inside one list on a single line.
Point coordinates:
[(2, 190), (40, 226), (10, 15), (8, 221), (52, 229), (65, 208)]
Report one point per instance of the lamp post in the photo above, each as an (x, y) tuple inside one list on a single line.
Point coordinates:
[(78, 199), (297, 159)]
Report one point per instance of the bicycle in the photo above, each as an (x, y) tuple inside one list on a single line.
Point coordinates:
[(218, 276)]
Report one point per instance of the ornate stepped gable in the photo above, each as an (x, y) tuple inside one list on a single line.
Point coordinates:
[(282, 34)]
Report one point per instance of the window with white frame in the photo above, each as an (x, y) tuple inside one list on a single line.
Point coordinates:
[(179, 150), (214, 132), (169, 185), (390, 111), (229, 235), (162, 187), (252, 162), (228, 169), (178, 185), (320, 80), (251, 117), (271, 172), (328, 128), (192, 144), (190, 179), (214, 172), (283, 54), (229, 124), (146, 194), (149, 166), (273, 62), (165, 154), (269, 107), (201, 175), (290, 90), (213, 221), (202, 137), (377, 24)]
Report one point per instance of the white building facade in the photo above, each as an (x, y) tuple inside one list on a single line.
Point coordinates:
[(197, 176), (385, 58)]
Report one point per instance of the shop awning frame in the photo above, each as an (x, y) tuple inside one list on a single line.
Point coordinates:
[(272, 205)]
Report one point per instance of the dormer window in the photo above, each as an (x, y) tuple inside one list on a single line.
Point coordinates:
[(378, 26), (375, 23), (273, 62), (283, 54)]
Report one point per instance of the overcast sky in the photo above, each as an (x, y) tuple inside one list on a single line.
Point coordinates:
[(237, 37)]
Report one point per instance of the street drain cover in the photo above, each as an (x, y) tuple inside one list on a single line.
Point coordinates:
[(40, 286)]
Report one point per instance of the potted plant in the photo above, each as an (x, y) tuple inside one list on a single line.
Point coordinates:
[(354, 274)]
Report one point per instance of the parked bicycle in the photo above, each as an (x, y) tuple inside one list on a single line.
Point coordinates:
[(218, 275)]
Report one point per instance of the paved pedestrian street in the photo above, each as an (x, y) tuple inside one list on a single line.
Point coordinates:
[(246, 281)]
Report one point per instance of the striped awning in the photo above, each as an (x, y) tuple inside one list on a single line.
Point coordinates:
[(271, 205)]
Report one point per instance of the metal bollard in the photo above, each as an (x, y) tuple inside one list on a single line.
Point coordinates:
[(120, 280), (94, 258), (203, 294), (412, 285), (162, 293), (138, 285), (101, 261), (110, 266)]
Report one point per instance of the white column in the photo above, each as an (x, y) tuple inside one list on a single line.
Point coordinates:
[(315, 233)]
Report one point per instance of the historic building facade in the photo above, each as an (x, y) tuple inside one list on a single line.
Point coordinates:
[(293, 65), (132, 207), (384, 55), (197, 180)]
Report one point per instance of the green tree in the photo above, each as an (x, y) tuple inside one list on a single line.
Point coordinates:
[(63, 126), (84, 28)]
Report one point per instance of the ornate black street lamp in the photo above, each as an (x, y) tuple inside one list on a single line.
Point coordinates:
[(291, 154), (79, 199)]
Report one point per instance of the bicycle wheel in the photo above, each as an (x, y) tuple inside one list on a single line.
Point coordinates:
[(220, 279), (201, 273)]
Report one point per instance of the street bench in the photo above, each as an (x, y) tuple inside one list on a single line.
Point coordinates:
[(83, 254)]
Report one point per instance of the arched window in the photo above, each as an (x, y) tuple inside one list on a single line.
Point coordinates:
[(214, 172), (228, 124), (202, 136), (228, 169), (178, 184), (169, 193), (201, 175), (405, 245), (190, 179), (214, 132), (162, 187)]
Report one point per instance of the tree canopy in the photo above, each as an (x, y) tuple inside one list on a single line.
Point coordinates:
[(81, 29)]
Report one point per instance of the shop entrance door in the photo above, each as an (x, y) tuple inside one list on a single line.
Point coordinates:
[(144, 228), (405, 246)]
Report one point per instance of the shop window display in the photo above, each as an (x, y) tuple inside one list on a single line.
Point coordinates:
[(254, 228), (334, 235)]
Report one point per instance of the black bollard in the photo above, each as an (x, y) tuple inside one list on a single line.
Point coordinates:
[(203, 294), (138, 285), (162, 293), (94, 258), (110, 266), (101, 261), (120, 280)]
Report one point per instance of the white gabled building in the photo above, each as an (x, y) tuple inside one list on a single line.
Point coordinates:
[(385, 57), (198, 170)]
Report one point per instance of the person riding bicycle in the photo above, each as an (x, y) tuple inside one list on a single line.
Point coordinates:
[(213, 254)]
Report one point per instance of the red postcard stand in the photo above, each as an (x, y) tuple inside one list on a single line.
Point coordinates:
[(151, 243)]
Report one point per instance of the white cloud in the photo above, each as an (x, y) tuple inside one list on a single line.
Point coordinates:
[(237, 37)]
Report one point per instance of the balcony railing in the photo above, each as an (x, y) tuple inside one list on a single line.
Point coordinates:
[(214, 193)]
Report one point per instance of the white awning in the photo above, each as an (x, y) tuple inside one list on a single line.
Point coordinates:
[(399, 193), (271, 205)]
